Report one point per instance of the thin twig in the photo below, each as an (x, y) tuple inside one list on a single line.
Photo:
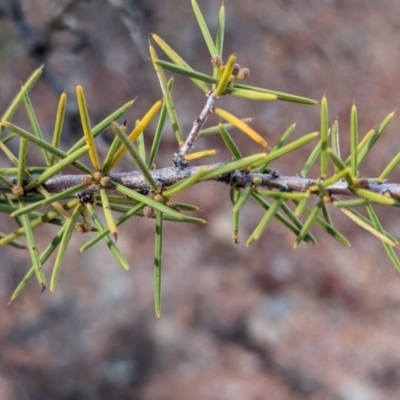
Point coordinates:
[(198, 123)]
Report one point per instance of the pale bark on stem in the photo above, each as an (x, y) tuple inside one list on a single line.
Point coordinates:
[(198, 123), (166, 177)]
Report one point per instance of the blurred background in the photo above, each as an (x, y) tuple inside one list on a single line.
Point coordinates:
[(265, 322)]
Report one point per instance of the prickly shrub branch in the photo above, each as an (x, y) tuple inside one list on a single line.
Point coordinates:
[(77, 200)]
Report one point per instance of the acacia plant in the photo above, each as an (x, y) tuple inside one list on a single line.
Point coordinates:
[(77, 200)]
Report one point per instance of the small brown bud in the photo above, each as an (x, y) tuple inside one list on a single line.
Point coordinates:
[(236, 69), (170, 203), (18, 191), (257, 181), (96, 177), (85, 227), (148, 211), (243, 73), (216, 61), (105, 181), (159, 197)]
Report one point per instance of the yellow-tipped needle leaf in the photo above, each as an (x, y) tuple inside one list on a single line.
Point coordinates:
[(139, 128), (62, 105), (107, 213), (87, 130), (200, 154), (227, 116), (226, 77)]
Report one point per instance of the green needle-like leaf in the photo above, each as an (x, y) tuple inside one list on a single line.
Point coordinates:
[(288, 224), (341, 166), (14, 170), (43, 258), (204, 29), (301, 206), (367, 146), (157, 264), (306, 227), (147, 200), (368, 226), (324, 137), (186, 71), (55, 169), (23, 152), (375, 197), (235, 195), (107, 213), (30, 82), (167, 98), (250, 94), (390, 168), (389, 249), (140, 164), (335, 178), (335, 145), (353, 141), (110, 243), (187, 207), (137, 130), (159, 129), (33, 249), (5, 181), (66, 237), (273, 155), (238, 164), (283, 195), (15, 243), (326, 214), (286, 135), (364, 142), (326, 227), (219, 37), (115, 145), (178, 60), (141, 147), (8, 153), (58, 125), (185, 183), (67, 193), (265, 220), (309, 237), (242, 200), (105, 231), (43, 144), (368, 222), (351, 203), (34, 223), (229, 143), (87, 130), (311, 159), (226, 77), (280, 95), (215, 129), (103, 125), (34, 123)]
